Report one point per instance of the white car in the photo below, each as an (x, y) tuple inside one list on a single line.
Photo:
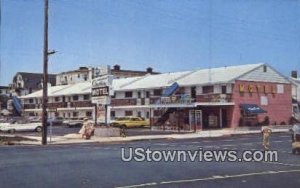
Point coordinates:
[(11, 128)]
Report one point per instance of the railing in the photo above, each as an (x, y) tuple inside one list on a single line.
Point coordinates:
[(81, 104), (29, 106), (123, 102), (214, 98), (57, 105), (175, 99)]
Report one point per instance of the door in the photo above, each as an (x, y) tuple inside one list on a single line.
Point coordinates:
[(195, 119)]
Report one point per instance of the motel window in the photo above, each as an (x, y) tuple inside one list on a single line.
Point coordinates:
[(207, 89), (128, 113), (128, 94), (157, 92), (224, 90), (56, 99), (75, 114), (148, 115), (112, 114), (86, 97), (139, 94), (88, 114), (30, 101), (147, 94), (193, 92), (75, 98), (139, 114)]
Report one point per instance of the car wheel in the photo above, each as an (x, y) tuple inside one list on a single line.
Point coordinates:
[(38, 129), (12, 131)]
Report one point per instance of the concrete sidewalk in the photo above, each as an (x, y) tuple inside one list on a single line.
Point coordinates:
[(76, 138)]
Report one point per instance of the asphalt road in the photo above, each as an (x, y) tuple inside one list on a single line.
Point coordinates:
[(100, 165)]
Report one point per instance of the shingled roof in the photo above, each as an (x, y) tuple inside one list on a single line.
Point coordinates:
[(33, 80)]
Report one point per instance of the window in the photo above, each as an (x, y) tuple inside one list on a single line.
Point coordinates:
[(75, 114), (265, 68), (139, 114), (193, 92), (88, 114), (224, 90), (128, 113), (75, 98), (30, 101), (56, 99), (128, 94), (112, 114), (78, 75), (207, 89), (139, 94), (264, 100), (147, 94), (86, 97), (157, 92), (280, 88), (148, 115), (85, 77)]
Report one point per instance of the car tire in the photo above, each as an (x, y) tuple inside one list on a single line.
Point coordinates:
[(12, 131), (38, 129)]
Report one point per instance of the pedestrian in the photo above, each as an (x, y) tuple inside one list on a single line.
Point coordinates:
[(84, 128), (266, 132)]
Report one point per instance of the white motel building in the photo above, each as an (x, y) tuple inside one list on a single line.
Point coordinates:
[(203, 98)]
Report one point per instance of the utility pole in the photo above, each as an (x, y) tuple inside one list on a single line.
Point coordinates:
[(45, 79)]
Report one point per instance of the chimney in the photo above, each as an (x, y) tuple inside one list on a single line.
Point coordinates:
[(149, 70), (294, 74), (117, 67)]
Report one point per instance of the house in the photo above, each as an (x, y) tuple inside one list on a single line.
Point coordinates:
[(88, 73), (243, 95), (25, 83)]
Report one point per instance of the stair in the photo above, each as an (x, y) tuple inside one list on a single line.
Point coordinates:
[(165, 117), (17, 104)]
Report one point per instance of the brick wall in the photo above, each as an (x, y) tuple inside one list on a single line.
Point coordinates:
[(279, 107)]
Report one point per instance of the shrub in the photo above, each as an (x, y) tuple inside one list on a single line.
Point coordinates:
[(282, 123)]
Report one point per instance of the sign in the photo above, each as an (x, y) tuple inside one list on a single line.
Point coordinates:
[(101, 100), (101, 70), (259, 88), (100, 91), (100, 114)]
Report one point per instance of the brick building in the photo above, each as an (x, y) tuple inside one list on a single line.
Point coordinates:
[(245, 95)]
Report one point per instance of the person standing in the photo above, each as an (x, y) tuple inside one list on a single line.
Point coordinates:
[(266, 132)]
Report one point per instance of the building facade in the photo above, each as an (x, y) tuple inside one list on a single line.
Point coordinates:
[(225, 97)]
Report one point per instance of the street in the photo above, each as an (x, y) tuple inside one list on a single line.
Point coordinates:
[(100, 165)]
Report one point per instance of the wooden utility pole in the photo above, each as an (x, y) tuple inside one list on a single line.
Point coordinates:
[(45, 79)]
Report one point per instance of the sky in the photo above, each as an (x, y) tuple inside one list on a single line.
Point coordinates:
[(168, 35)]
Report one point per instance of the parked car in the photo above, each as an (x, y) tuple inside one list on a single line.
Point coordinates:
[(128, 122), (20, 126), (56, 120), (73, 122)]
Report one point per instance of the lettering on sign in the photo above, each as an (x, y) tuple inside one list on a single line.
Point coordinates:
[(242, 88), (250, 88), (100, 91)]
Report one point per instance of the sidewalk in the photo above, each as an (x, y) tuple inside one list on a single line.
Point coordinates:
[(76, 138)]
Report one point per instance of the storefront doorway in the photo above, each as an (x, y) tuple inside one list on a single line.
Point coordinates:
[(195, 119)]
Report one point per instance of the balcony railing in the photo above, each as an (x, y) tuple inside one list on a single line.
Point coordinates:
[(123, 102), (81, 104), (175, 99), (214, 98)]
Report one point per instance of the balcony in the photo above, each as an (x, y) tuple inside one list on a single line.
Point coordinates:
[(29, 106), (123, 102), (214, 98), (175, 99), (57, 105), (81, 104)]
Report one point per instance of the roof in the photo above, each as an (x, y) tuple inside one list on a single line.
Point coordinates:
[(184, 78), (32, 80)]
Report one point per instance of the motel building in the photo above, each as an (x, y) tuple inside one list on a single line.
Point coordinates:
[(225, 97)]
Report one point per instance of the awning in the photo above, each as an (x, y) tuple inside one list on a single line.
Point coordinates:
[(252, 109), (170, 90)]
